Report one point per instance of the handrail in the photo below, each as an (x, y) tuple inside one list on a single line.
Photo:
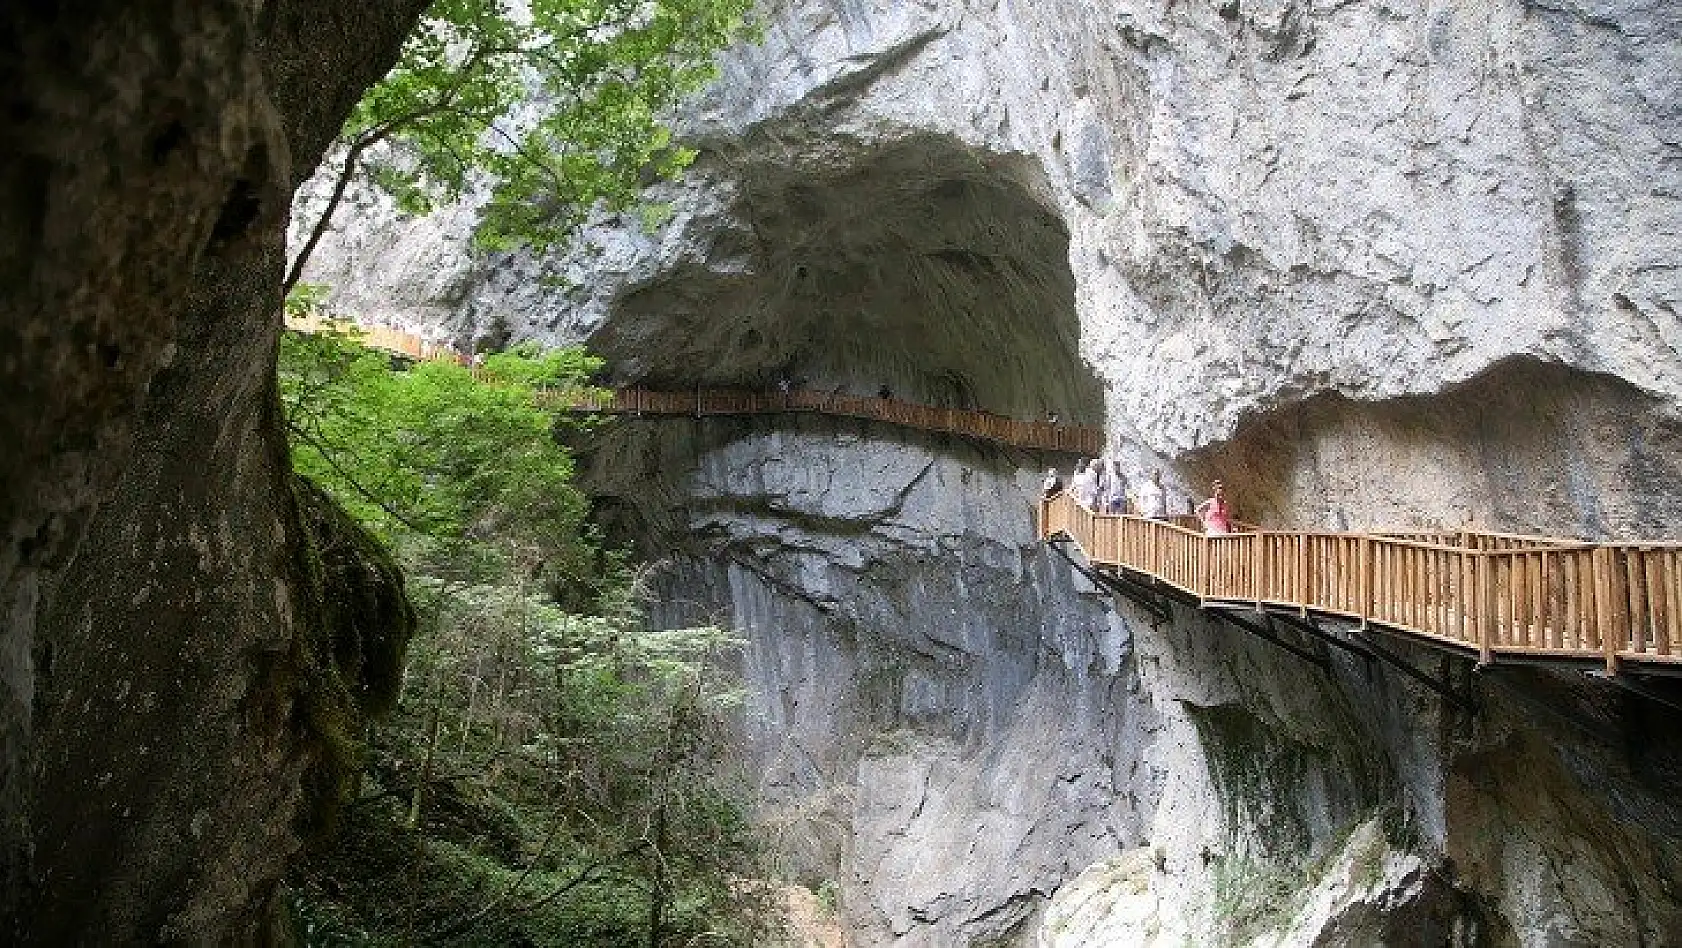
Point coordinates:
[(1039, 435), (697, 403), (385, 339), (1497, 595)]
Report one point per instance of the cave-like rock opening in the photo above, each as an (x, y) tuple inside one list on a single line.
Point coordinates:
[(924, 266), (1526, 446)]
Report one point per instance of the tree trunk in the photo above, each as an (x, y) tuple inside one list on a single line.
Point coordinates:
[(160, 603), (657, 894)]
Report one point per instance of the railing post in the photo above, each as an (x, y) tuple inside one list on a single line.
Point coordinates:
[(1303, 584), (1365, 580), (1257, 547), (1623, 619), (1203, 567), (1485, 597), (1604, 614)]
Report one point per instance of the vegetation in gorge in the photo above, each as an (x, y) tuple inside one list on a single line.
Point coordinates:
[(553, 773), (547, 107), (462, 477)]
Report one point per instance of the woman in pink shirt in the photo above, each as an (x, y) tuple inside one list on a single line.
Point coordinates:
[(1215, 513)]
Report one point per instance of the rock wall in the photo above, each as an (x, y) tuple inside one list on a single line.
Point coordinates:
[(162, 647), (981, 746), (1373, 263), (943, 714)]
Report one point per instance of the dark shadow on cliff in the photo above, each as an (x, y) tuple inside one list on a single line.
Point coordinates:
[(925, 265)]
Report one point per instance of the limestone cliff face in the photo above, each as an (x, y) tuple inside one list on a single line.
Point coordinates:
[(945, 716), (166, 642), (1374, 263)]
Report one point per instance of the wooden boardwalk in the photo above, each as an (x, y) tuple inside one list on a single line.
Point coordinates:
[(1493, 596), (700, 403), (394, 341)]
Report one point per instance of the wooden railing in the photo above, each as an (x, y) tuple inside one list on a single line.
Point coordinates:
[(1496, 595), (1039, 435), (385, 339)]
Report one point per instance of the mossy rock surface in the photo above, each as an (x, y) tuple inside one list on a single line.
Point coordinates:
[(348, 669)]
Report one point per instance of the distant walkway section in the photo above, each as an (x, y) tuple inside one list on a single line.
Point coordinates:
[(395, 341), (985, 426), (699, 403), (1492, 595)]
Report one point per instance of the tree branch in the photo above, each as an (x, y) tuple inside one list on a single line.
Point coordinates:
[(584, 875), (367, 139), (367, 494)]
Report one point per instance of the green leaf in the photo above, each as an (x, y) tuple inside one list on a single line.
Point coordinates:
[(551, 111)]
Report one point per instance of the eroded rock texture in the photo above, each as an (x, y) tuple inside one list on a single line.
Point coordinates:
[(159, 611), (1374, 263), (943, 717)]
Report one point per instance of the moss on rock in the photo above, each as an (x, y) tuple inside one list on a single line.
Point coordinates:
[(347, 667)]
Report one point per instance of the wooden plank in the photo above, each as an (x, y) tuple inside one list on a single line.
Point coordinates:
[(1304, 587), (1387, 579), (1673, 605), (1399, 585), (1520, 567), (1440, 618), (1634, 599), (1347, 556), (1571, 569), (1548, 625), (1461, 600), (1606, 611), (1485, 599), (1257, 559), (1657, 607), (1421, 595), (1410, 594)]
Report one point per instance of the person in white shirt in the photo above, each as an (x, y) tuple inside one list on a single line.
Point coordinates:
[(1053, 484), (1084, 485), (1116, 502), (1151, 500)]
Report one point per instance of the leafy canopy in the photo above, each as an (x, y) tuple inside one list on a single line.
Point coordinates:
[(555, 104), (462, 476), (545, 777)]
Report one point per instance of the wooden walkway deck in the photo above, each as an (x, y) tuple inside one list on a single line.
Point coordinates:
[(1493, 596), (700, 403), (395, 341), (985, 426)]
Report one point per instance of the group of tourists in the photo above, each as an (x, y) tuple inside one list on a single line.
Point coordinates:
[(1100, 486)]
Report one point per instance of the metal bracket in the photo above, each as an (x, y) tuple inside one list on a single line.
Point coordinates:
[(1443, 688), (1269, 635), (1140, 595)]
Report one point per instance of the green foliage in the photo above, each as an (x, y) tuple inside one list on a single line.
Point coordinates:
[(553, 105), (546, 777), (828, 894), (306, 299), (1253, 897), (461, 475)]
